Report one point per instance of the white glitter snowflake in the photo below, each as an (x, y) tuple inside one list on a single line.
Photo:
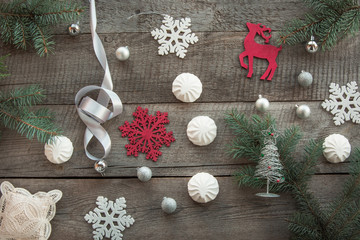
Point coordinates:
[(344, 103), (109, 218), (174, 36)]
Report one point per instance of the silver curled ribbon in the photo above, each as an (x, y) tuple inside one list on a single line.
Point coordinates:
[(94, 113)]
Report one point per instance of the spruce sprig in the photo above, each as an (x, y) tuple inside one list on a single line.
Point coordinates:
[(16, 113), (329, 21), (336, 221), (3, 68), (29, 22)]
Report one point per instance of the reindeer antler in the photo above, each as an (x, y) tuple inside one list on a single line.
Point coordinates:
[(263, 29)]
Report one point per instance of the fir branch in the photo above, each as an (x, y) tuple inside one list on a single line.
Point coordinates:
[(15, 112), (245, 177), (3, 68), (304, 226), (30, 127), (29, 22), (351, 188), (313, 151), (353, 216), (311, 221), (250, 140), (330, 21), (29, 96)]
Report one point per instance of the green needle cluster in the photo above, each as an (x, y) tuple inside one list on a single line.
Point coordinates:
[(338, 220), (329, 21), (29, 22)]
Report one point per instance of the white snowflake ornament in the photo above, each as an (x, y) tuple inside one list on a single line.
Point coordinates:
[(109, 219), (174, 36), (344, 103)]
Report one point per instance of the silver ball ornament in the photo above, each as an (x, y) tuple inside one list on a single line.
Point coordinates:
[(168, 205), (144, 174), (311, 46), (74, 29), (100, 166), (303, 111), (122, 53), (305, 79), (262, 104)]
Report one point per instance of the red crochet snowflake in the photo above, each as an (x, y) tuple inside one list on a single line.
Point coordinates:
[(147, 133)]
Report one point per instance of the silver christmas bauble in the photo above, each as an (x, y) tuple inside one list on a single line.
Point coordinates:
[(144, 174), (262, 104), (122, 53), (303, 111), (74, 29), (168, 205), (305, 79), (311, 46), (100, 166)]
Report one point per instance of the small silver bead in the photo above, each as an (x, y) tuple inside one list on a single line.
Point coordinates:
[(122, 53), (100, 166), (305, 79), (312, 46), (144, 174), (74, 29), (262, 104), (168, 205), (303, 111)]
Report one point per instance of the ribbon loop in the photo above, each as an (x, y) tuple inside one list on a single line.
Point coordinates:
[(91, 112)]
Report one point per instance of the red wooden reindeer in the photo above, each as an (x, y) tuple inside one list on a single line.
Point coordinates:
[(253, 49)]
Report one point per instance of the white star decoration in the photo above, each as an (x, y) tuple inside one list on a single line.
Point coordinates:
[(174, 36), (344, 103), (109, 219)]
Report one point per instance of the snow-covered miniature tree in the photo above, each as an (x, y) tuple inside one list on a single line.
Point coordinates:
[(269, 166)]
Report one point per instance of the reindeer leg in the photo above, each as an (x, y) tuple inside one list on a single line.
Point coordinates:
[(250, 73), (274, 66), (241, 58), (266, 72)]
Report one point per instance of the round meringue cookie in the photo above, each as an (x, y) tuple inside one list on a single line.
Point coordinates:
[(336, 148), (201, 130), (187, 87), (203, 187), (59, 149)]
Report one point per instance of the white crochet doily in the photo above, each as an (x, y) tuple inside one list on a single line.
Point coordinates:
[(26, 216)]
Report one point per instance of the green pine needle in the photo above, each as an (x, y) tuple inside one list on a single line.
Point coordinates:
[(3, 68), (16, 112), (27, 97), (329, 21), (338, 220), (29, 22)]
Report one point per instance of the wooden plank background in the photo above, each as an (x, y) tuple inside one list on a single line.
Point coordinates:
[(145, 80)]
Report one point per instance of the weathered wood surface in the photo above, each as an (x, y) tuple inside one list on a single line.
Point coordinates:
[(234, 213), (145, 80), (147, 77), (182, 158)]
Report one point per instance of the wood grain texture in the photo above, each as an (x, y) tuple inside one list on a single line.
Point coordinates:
[(147, 77), (206, 16), (145, 80), (182, 158), (235, 212)]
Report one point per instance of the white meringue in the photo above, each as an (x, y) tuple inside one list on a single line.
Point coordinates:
[(203, 187), (336, 148), (201, 130), (59, 149), (187, 87)]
